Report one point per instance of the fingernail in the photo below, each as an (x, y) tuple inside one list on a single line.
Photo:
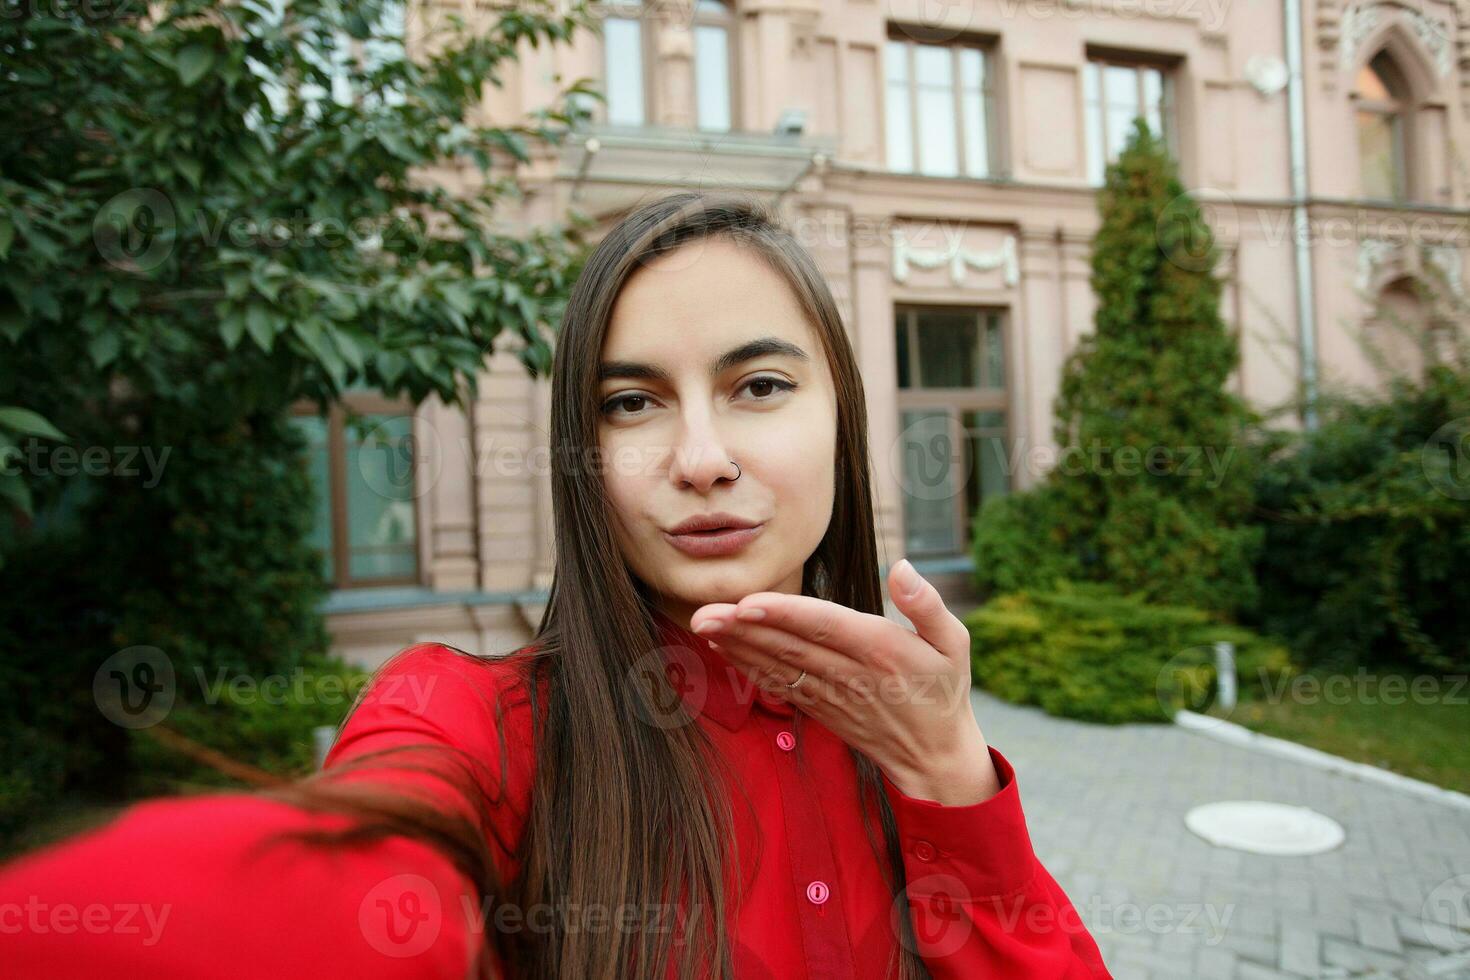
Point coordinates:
[(909, 579), (710, 626), (752, 614)]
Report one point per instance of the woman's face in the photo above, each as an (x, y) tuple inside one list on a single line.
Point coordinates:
[(708, 359)]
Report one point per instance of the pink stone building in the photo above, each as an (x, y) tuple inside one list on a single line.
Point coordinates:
[(940, 160)]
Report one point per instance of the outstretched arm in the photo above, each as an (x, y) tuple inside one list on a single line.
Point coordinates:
[(197, 886)]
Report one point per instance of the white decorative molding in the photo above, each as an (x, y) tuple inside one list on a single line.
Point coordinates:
[(1356, 22), (1371, 254), (955, 256), (1446, 258), (1359, 20)]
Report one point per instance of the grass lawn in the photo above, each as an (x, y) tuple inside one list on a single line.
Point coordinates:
[(1374, 718)]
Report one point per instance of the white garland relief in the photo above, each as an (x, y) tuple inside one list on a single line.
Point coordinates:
[(956, 256), (1371, 254), (1446, 258)]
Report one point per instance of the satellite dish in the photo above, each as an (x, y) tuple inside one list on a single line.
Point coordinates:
[(1266, 73)]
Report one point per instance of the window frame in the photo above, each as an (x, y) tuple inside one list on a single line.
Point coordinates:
[(636, 11), (1097, 60), (911, 39), (730, 23), (336, 415), (956, 401), (1400, 112)]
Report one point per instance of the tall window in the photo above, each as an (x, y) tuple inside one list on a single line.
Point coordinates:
[(713, 65), (938, 108), (362, 466), (952, 420), (1116, 93), (623, 49), (1382, 102)]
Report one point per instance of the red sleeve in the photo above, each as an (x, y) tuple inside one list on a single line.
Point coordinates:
[(980, 901), (177, 888)]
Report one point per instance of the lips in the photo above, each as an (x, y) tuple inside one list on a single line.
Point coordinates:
[(713, 535), (712, 522)]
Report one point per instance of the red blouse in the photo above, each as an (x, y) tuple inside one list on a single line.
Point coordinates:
[(172, 888)]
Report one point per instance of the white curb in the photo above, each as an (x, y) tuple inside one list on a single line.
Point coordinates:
[(1229, 731)]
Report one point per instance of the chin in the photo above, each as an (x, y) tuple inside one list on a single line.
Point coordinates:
[(705, 583)]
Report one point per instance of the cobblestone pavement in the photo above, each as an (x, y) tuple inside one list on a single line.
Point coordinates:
[(1106, 804)]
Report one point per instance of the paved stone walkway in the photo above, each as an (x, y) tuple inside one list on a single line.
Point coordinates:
[(1106, 804)]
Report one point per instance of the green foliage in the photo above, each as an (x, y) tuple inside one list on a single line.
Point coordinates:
[(32, 773), (1152, 489), (1085, 651), (54, 629), (265, 721), (205, 217), (204, 206), (1019, 539), (216, 566), (1367, 530), (15, 487)]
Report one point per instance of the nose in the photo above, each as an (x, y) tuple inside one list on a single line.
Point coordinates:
[(700, 458)]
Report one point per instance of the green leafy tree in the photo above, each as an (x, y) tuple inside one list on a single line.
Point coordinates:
[(209, 211), (1152, 490)]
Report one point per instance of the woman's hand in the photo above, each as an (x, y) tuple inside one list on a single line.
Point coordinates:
[(898, 696)]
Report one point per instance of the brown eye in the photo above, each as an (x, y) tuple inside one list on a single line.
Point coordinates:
[(610, 406), (765, 384)]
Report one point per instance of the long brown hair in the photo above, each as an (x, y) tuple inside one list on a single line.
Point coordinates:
[(625, 813)]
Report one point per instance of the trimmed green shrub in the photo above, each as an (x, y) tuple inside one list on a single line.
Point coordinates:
[(1019, 542), (1088, 652), (1151, 491)]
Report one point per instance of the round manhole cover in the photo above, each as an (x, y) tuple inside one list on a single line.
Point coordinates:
[(1265, 828)]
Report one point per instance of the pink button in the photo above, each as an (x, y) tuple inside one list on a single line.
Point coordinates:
[(786, 740), (817, 892)]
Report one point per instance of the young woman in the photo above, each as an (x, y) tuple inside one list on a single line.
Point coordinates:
[(717, 757)]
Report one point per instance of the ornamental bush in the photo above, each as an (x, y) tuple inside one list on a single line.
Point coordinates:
[(1367, 530), (1088, 652), (1152, 490)]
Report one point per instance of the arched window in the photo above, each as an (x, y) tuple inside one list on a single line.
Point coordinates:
[(1385, 121), (714, 80)]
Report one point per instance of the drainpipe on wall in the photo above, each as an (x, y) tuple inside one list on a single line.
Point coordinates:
[(1306, 314)]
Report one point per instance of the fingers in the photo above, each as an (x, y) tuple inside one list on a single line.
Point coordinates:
[(772, 675), (831, 626), (920, 601), (788, 653)]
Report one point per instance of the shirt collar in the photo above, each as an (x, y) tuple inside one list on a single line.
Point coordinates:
[(710, 684)]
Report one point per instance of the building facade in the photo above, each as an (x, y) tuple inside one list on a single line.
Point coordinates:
[(941, 162)]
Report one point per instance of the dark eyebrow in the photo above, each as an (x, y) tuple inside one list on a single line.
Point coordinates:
[(745, 352)]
